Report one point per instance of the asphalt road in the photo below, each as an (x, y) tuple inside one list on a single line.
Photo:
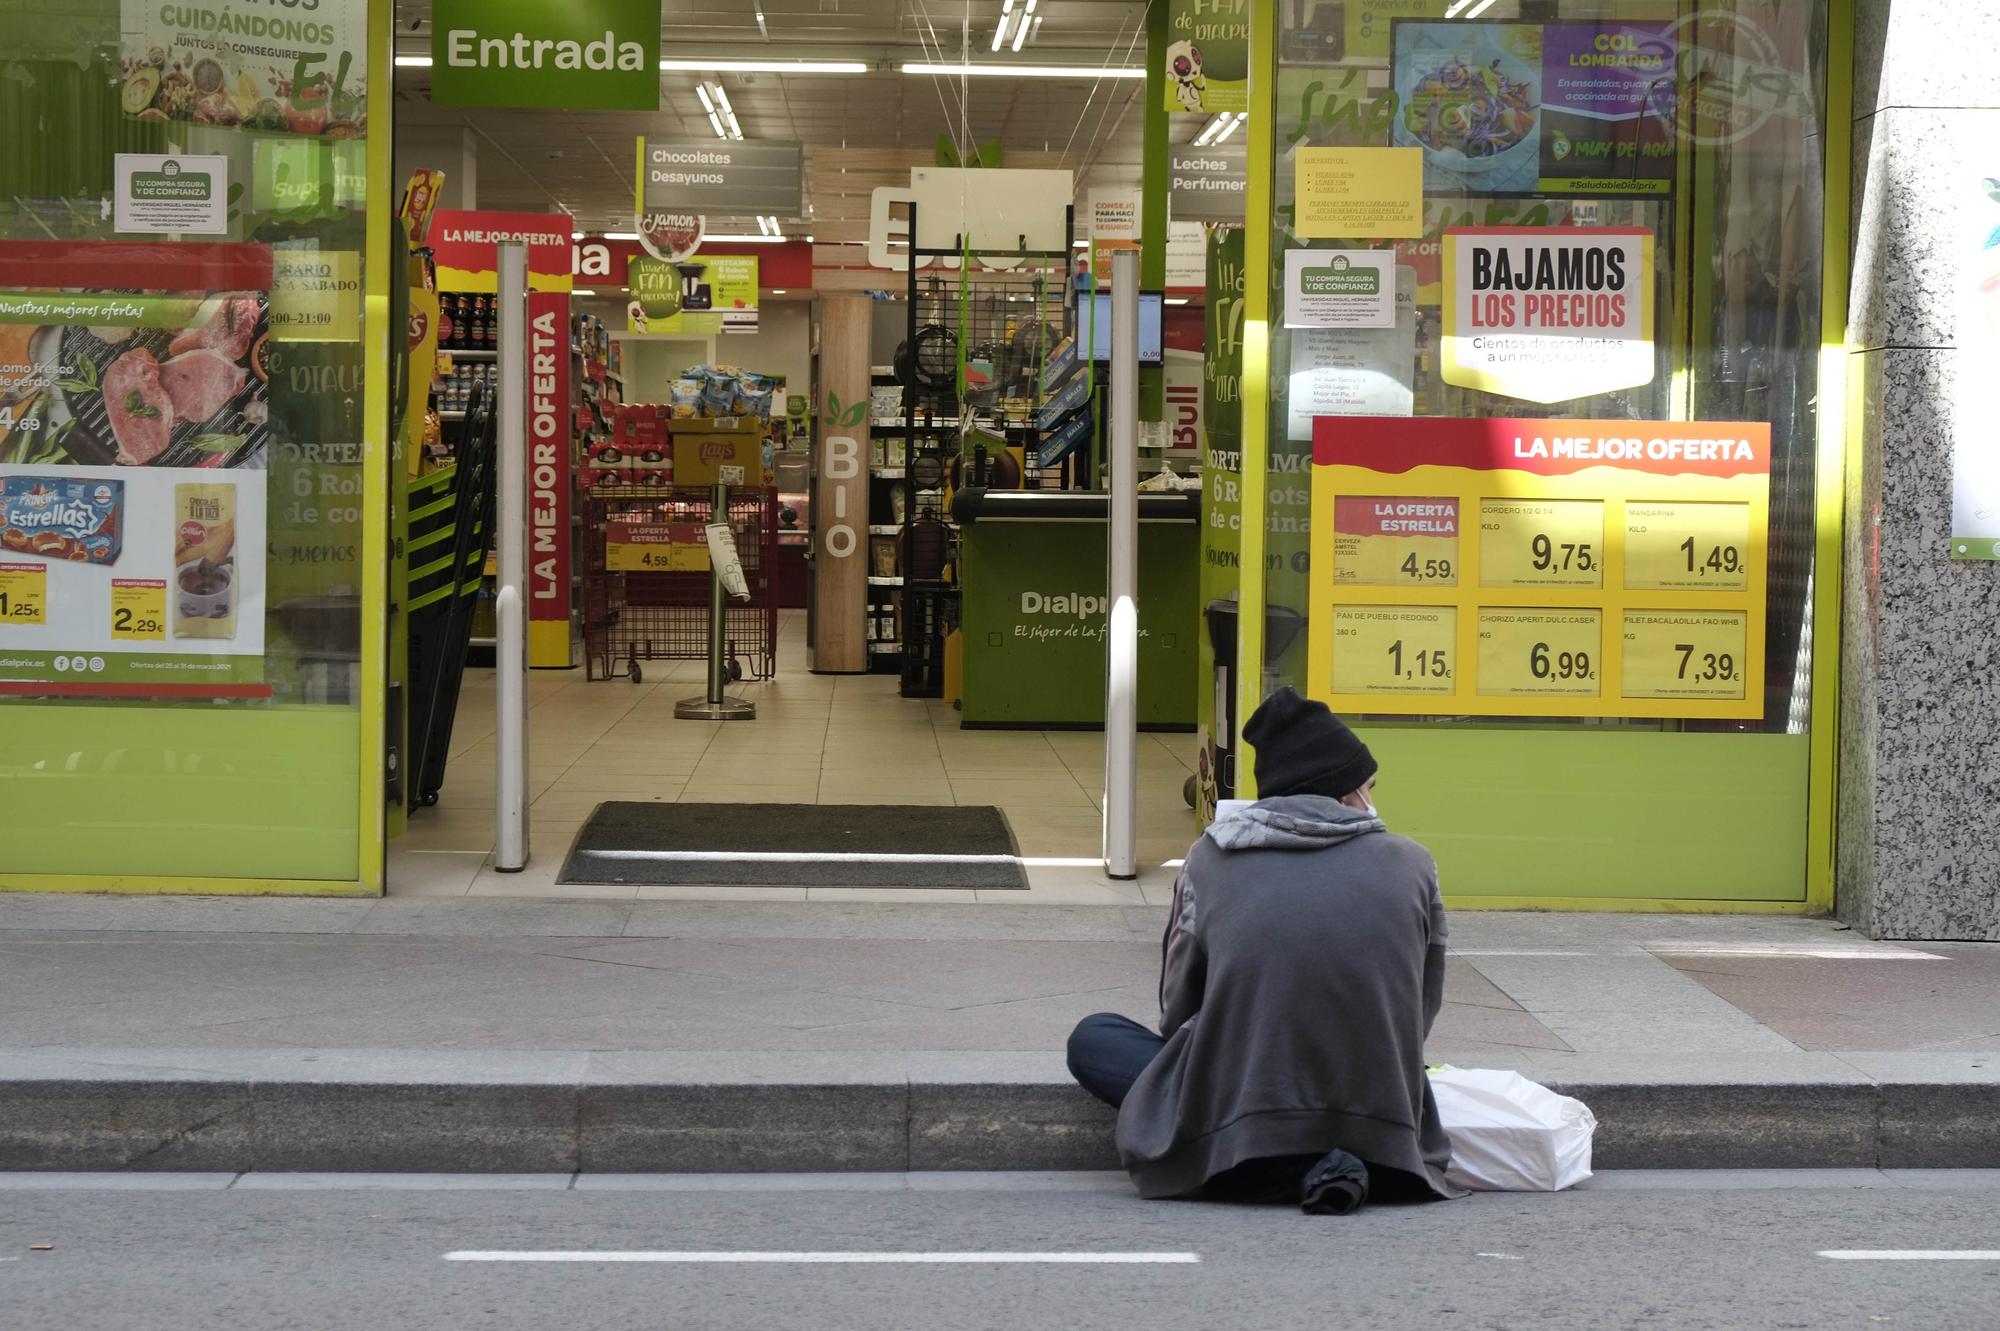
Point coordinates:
[(1725, 1251)]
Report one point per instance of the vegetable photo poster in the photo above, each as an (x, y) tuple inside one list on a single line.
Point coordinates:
[(277, 69), (134, 432), (1579, 109)]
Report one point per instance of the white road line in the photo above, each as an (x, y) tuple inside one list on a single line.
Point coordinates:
[(848, 1258), (1912, 1254)]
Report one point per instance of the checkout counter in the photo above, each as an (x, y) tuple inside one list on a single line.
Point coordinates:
[(1033, 573)]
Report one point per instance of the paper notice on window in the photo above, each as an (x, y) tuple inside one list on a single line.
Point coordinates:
[(1355, 371)]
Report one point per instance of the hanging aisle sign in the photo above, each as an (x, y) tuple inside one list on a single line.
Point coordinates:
[(730, 178), (596, 55), (1539, 567), (1548, 314), (1208, 56)]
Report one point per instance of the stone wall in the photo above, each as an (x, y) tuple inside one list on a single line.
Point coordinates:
[(1919, 799)]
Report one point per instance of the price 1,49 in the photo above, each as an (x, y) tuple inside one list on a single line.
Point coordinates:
[(1725, 560)]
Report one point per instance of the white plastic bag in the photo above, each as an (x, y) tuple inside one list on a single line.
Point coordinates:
[(1510, 1135)]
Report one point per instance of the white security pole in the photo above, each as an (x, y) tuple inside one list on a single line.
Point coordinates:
[(1121, 687), (510, 638)]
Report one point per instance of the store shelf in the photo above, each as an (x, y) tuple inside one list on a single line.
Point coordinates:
[(885, 529), (468, 354), (481, 642), (882, 648), (453, 415), (885, 582)]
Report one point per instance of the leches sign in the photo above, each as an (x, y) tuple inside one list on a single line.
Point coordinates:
[(596, 55)]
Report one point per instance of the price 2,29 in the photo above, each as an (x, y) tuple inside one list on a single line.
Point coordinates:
[(124, 620), (1427, 570), (1709, 667), (1544, 664), (1427, 664), (1562, 557), (1721, 559)]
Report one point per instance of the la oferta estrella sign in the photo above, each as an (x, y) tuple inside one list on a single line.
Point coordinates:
[(599, 55)]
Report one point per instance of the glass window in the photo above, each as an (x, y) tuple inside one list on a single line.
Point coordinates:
[(183, 202)]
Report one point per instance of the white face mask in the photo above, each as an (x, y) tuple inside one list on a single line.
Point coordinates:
[(1370, 809)]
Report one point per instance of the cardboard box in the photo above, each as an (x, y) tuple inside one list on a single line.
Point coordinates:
[(725, 449)]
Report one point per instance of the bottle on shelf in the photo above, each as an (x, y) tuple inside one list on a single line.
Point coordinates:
[(485, 322), (445, 324)]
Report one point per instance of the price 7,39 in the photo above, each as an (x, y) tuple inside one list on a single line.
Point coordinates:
[(1427, 664), (1563, 557), (1429, 570), (1712, 665)]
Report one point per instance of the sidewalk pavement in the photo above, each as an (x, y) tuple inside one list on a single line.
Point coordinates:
[(524, 1035)]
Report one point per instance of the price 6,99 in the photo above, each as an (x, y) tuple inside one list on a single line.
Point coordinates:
[(1544, 664)]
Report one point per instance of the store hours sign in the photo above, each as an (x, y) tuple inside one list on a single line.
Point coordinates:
[(599, 55)]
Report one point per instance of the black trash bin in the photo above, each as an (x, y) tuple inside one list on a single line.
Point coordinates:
[(1282, 625)]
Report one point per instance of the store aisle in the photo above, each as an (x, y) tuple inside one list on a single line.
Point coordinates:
[(827, 739)]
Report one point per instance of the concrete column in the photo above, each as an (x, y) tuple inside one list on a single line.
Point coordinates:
[(1919, 840)]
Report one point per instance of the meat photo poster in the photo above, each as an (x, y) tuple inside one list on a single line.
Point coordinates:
[(134, 429)]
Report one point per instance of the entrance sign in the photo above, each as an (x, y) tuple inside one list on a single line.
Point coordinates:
[(1539, 567), (596, 55), (1548, 314), (725, 178)]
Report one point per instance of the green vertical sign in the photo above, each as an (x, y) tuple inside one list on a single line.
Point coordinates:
[(1221, 471), (1207, 64), (585, 55)]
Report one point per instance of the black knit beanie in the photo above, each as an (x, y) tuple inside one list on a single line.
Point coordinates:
[(1304, 749)]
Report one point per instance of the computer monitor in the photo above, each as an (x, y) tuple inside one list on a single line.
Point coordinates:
[(1095, 317)]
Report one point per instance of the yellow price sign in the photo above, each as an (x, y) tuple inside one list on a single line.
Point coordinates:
[(656, 547), (1685, 653), (1394, 648), (138, 609), (1395, 541), (1670, 547), (24, 593), (1541, 542), (1540, 653)]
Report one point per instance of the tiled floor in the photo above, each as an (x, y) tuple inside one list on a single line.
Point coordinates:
[(826, 739)]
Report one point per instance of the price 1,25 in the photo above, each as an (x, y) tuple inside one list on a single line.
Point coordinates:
[(1562, 556), (1721, 559), (1708, 666), (1426, 570), (19, 607), (1429, 663), (1545, 664)]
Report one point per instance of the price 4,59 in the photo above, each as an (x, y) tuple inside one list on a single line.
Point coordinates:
[(1427, 570)]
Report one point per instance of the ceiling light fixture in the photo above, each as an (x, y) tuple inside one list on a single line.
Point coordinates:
[(728, 111), (762, 30), (742, 240), (1006, 15), (621, 235), (1213, 128), (761, 66), (1235, 123), (414, 61), (1028, 71), (1021, 25), (583, 291), (777, 291)]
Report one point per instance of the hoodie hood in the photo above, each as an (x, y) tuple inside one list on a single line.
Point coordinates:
[(1293, 822)]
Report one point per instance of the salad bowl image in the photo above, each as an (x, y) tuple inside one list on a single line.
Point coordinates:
[(1475, 113)]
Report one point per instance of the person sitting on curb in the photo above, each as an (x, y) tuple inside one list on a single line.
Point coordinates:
[(1301, 970)]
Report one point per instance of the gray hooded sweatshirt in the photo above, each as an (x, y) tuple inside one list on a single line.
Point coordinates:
[(1303, 966)]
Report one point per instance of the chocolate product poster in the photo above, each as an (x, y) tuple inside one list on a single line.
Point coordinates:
[(134, 434)]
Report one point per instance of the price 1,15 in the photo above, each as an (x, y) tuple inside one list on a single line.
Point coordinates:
[(1424, 664)]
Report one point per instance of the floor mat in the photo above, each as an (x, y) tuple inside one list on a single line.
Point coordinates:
[(658, 844)]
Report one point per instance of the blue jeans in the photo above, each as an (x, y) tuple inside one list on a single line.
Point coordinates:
[(1107, 1053)]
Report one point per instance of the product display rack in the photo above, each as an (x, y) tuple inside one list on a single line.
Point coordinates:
[(971, 367)]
